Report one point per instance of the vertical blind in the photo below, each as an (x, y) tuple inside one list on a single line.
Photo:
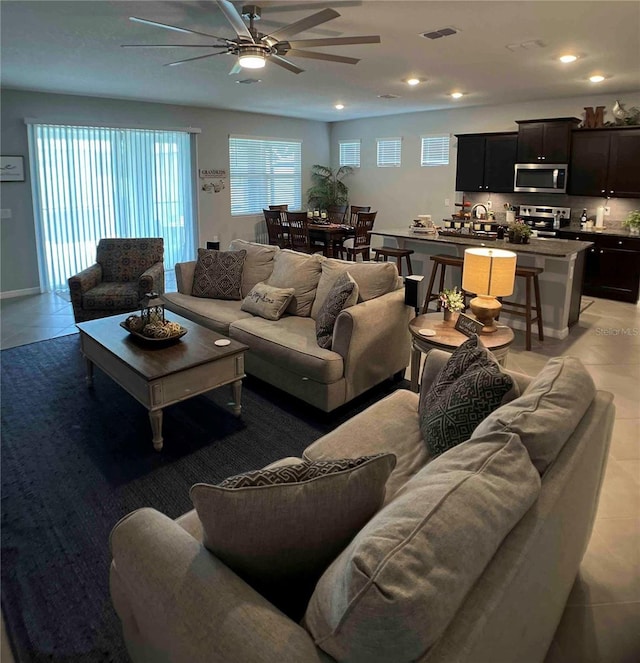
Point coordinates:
[(350, 153), (389, 152), (435, 151), (263, 172), (95, 182)]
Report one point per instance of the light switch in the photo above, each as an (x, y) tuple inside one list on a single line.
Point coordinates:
[(5, 213)]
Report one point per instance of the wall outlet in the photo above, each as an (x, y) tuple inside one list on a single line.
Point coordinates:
[(488, 204), (447, 202), (607, 211)]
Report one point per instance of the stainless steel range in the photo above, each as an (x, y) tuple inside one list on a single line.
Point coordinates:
[(546, 220)]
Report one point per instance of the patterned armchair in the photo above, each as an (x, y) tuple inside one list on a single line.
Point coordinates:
[(125, 269)]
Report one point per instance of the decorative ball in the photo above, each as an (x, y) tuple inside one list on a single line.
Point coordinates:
[(154, 330), (173, 327), (134, 323)]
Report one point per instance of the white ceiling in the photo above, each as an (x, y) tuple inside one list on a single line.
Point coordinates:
[(74, 47)]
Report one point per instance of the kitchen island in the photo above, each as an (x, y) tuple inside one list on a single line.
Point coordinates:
[(560, 283)]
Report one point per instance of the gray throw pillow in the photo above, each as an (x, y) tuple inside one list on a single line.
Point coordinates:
[(343, 293), (280, 528), (218, 274), (267, 301), (469, 388)]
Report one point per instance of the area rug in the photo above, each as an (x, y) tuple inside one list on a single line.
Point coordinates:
[(75, 460)]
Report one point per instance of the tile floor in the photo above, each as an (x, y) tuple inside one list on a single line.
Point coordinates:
[(601, 623)]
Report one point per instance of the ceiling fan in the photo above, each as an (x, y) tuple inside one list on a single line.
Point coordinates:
[(253, 49)]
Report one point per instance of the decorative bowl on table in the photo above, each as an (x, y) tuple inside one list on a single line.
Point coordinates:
[(158, 332)]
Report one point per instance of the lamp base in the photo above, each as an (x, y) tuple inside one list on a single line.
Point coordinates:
[(486, 309)]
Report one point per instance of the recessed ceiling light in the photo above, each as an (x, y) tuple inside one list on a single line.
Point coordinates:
[(339, 106), (456, 95), (413, 81), (596, 79), (568, 58)]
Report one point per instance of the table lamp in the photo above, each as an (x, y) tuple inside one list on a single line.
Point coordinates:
[(489, 273)]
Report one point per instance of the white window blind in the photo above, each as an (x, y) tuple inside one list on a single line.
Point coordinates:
[(350, 153), (263, 172), (435, 150), (389, 152)]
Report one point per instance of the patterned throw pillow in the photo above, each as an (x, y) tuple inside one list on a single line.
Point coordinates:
[(469, 388), (267, 301), (280, 528), (218, 274), (343, 293)]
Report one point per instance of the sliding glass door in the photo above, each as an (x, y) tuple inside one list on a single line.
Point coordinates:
[(95, 182)]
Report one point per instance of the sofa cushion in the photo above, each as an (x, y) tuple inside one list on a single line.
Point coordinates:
[(390, 425), (267, 301), (373, 278), (300, 271), (218, 274), (392, 592), (290, 343), (258, 263), (548, 411), (343, 293), (280, 528), (115, 296), (216, 314)]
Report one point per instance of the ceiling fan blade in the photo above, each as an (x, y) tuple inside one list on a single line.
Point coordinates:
[(172, 27), (321, 56), (335, 41), (285, 64), (236, 69), (231, 14), (304, 24), (173, 46), (199, 57)]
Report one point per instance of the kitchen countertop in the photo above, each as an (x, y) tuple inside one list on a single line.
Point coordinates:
[(613, 232), (557, 248)]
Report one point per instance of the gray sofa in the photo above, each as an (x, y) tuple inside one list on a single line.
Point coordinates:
[(483, 578), (285, 352)]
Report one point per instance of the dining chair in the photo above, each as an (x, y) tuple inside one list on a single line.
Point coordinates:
[(281, 208), (354, 210), (277, 233), (298, 231), (361, 241)]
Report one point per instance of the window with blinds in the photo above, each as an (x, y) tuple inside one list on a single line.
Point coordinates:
[(263, 172), (389, 152), (435, 150), (350, 153)]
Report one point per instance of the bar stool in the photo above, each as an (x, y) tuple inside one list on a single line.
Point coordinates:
[(524, 310), (440, 262), (398, 254)]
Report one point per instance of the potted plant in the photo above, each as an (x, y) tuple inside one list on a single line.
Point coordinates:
[(327, 187), (633, 222), (518, 232), (451, 301)]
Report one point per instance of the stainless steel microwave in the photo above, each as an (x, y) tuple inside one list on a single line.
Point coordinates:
[(540, 177)]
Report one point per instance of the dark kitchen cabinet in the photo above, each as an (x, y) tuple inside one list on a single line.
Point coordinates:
[(545, 140), (486, 162), (604, 162), (612, 266)]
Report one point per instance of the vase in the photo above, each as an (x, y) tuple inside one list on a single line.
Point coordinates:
[(447, 314)]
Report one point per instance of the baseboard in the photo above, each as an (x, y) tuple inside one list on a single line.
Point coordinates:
[(8, 294)]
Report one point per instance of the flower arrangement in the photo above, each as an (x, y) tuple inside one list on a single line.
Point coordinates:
[(632, 221), (452, 300), (519, 232)]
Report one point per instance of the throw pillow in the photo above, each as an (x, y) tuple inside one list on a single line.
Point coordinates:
[(258, 264), (279, 529), (300, 271), (267, 301), (469, 387), (218, 274), (392, 592), (343, 293)]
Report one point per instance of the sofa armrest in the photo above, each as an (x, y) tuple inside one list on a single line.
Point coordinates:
[(152, 280), (83, 282), (176, 597), (373, 339), (184, 276)]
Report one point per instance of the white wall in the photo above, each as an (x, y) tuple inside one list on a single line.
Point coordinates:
[(18, 257), (399, 194)]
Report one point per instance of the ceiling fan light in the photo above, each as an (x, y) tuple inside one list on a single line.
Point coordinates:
[(566, 59), (597, 78), (456, 95), (252, 58), (413, 81)]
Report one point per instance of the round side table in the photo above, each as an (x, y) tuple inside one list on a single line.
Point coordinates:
[(448, 338)]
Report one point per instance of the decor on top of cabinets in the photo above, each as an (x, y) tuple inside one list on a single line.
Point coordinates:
[(624, 116), (327, 188)]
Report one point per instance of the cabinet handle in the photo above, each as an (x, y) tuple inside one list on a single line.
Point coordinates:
[(610, 191), (593, 250), (601, 251), (620, 243), (480, 187), (603, 191), (543, 158)]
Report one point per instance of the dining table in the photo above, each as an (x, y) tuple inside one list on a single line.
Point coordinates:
[(330, 235)]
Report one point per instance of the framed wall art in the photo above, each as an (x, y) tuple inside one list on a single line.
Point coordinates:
[(11, 169)]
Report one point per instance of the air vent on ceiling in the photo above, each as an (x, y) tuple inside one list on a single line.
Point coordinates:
[(442, 32), (527, 45), (388, 96), (249, 81)]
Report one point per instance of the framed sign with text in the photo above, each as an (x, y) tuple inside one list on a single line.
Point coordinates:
[(468, 325)]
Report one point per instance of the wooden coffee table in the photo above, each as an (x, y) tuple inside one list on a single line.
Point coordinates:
[(449, 339), (160, 376)]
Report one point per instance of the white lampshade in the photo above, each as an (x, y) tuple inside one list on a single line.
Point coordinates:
[(489, 272), (251, 58)]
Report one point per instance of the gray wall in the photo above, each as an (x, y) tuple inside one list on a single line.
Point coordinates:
[(18, 257)]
